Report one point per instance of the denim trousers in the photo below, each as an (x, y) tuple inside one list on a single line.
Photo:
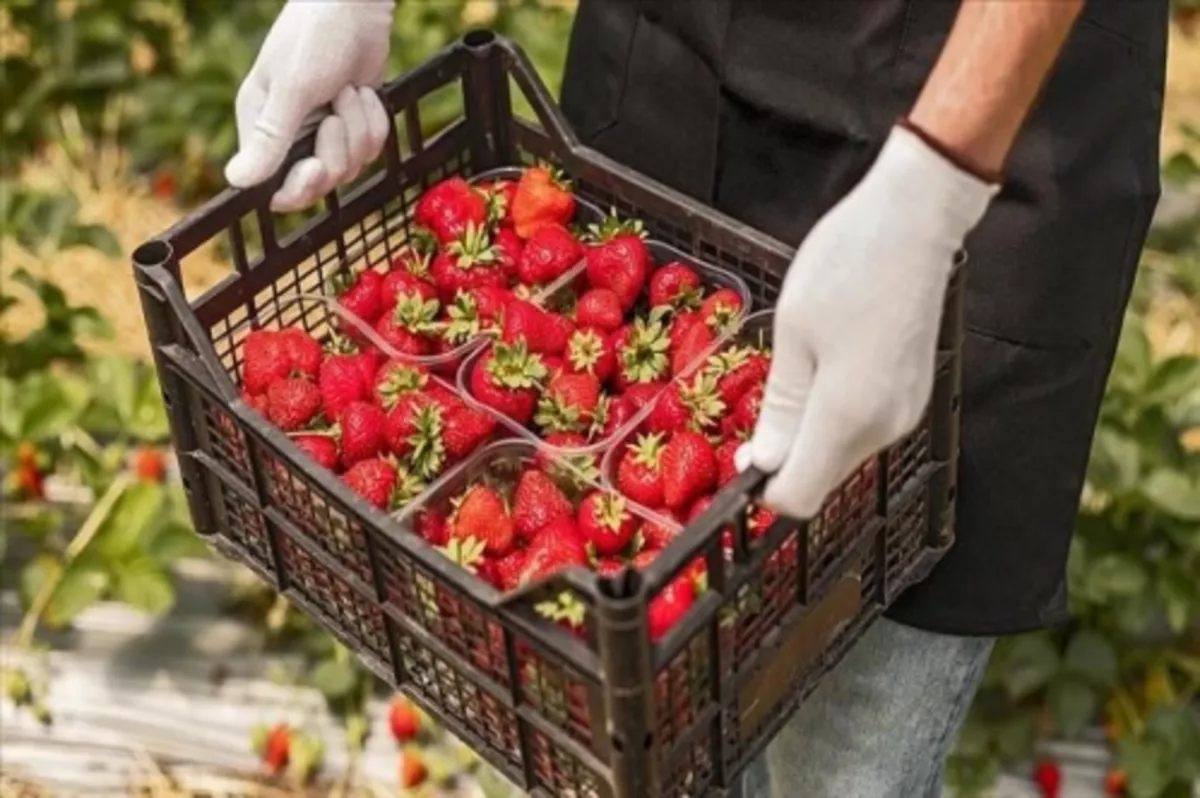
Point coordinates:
[(882, 722)]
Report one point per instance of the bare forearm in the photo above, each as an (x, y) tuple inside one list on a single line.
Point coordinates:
[(989, 74)]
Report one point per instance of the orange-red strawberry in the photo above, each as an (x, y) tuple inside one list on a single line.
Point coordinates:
[(721, 309), (605, 521), (569, 403), (558, 546), (588, 350), (483, 516), (671, 604), (691, 348), (403, 720), (449, 207), (675, 285), (397, 378), (738, 369), (689, 468), (361, 425), (360, 295), (600, 308), (149, 465), (639, 475), (542, 197), (292, 403), (465, 429), (506, 378), (265, 359), (537, 501), (413, 771), (617, 258), (641, 351), (31, 481), (341, 380), (320, 446), (509, 247), (409, 328), (303, 351), (548, 254), (431, 524), (374, 480), (726, 465)]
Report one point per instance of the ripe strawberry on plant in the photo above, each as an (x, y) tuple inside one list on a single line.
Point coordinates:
[(738, 369), (448, 208), (464, 430), (689, 468), (360, 295), (320, 446), (538, 500), (303, 351), (689, 403), (606, 523), (600, 308), (467, 262), (483, 516), (569, 403), (671, 604), (373, 479), (639, 474), (413, 771), (691, 347), (403, 720), (1047, 774), (641, 351), (547, 255), (542, 197), (273, 746), (720, 310), (397, 378), (292, 403), (410, 327), (361, 425), (675, 285), (147, 463), (617, 258), (726, 465), (556, 547), (506, 378)]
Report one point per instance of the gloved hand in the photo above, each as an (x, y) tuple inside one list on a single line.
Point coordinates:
[(857, 321), (317, 52)]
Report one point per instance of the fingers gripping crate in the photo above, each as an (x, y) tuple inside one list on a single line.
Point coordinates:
[(604, 712)]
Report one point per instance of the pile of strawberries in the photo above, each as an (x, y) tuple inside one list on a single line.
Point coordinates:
[(604, 344)]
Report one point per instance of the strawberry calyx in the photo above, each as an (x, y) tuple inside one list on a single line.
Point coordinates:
[(467, 553), (600, 416), (565, 608), (428, 453), (648, 449), (513, 366), (464, 318), (556, 176), (473, 248), (702, 401), (613, 226), (644, 356), (611, 511), (585, 350), (417, 315), (400, 380), (342, 282), (728, 361), (723, 318)]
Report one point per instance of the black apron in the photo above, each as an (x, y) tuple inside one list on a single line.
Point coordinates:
[(772, 110)]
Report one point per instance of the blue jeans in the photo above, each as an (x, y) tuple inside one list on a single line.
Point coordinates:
[(881, 724)]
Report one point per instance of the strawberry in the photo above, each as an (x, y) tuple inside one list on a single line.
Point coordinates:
[(468, 262), (415, 254), (675, 285), (408, 329), (671, 604), (507, 570), (600, 308), (483, 516), (397, 378), (726, 466), (276, 748), (606, 523), (257, 402), (509, 247), (556, 547), (554, 364), (431, 525), (302, 350), (361, 296), (506, 378), (680, 325), (490, 302), (642, 394), (738, 369), (720, 310), (618, 412), (547, 255), (525, 321), (464, 430), (761, 520), (413, 771), (373, 479), (400, 283), (689, 468), (588, 350), (657, 535), (698, 507), (401, 423), (341, 381), (617, 258), (691, 347), (403, 720), (687, 404), (361, 425), (641, 351), (558, 332), (740, 423), (499, 195), (1048, 776), (638, 472), (537, 501), (444, 397), (569, 403), (542, 197), (609, 566), (292, 403), (448, 208), (320, 446), (148, 464), (265, 358)]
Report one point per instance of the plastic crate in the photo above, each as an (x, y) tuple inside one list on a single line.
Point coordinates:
[(605, 714)]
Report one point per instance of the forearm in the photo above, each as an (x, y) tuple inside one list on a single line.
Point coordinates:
[(988, 76)]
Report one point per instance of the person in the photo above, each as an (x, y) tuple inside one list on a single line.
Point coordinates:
[(880, 137)]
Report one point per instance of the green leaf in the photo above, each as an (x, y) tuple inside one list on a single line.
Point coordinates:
[(1032, 663), (334, 678), (1074, 705), (36, 573), (171, 542), (95, 236), (1177, 728), (1147, 769), (1016, 736), (1173, 378), (1174, 493), (121, 531), (51, 404), (1115, 461), (1092, 657), (1116, 575), (1131, 367), (82, 586), (144, 585), (1180, 169)]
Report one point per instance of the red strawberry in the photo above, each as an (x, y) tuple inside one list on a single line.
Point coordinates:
[(569, 403), (671, 604), (558, 546), (1048, 777), (401, 424), (550, 252), (449, 207), (600, 308), (606, 523), (525, 321), (691, 348), (617, 413), (738, 370), (638, 473), (319, 446), (588, 350), (698, 508), (542, 197), (726, 467), (617, 258), (276, 748), (409, 328), (464, 430), (721, 309), (265, 359), (506, 378), (341, 381), (537, 501), (680, 325), (483, 516), (761, 520), (490, 302), (687, 404), (397, 378), (445, 398), (413, 771), (676, 285), (431, 524), (374, 480), (468, 262), (257, 402), (359, 295), (609, 566), (508, 569), (689, 468), (641, 351), (292, 403), (509, 247), (555, 365), (403, 720), (558, 332), (362, 425), (642, 394), (302, 349), (745, 414), (657, 535), (499, 195), (400, 283)]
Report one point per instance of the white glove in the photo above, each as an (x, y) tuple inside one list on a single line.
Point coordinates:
[(317, 52), (856, 325)]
